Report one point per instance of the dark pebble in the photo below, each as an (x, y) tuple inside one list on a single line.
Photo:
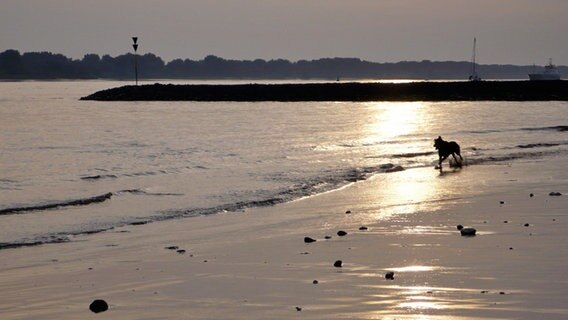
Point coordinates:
[(502, 292), (389, 275), (348, 212), (505, 221), (555, 194), (98, 306), (468, 232), (363, 228), (511, 248), (341, 233), (502, 202), (459, 227), (338, 264), (484, 291), (172, 248), (531, 195), (327, 237), (526, 224), (298, 308), (309, 240), (180, 251), (315, 282)]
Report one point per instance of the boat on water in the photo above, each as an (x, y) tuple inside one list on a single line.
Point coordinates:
[(474, 76), (550, 73)]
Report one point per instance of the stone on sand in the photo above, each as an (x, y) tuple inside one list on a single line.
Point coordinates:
[(389, 275), (468, 232), (309, 240), (98, 306), (341, 233), (338, 264)]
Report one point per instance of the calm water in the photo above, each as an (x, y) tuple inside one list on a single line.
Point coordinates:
[(161, 160)]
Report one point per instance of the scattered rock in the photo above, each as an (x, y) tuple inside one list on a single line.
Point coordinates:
[(505, 221), (389, 275), (180, 251), (555, 194), (501, 202), (309, 240), (526, 224), (98, 306), (315, 282), (531, 195), (341, 233), (348, 212), (502, 292), (459, 227), (298, 308), (304, 252), (394, 169), (484, 291), (468, 232), (363, 228), (338, 264), (327, 237), (172, 248)]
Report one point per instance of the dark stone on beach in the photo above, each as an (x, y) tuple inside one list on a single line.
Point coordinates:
[(526, 224), (502, 292), (315, 282), (172, 247), (348, 212), (531, 195), (139, 223), (389, 275), (501, 202), (338, 264), (395, 169), (459, 227), (341, 233), (555, 194), (511, 248), (327, 237), (309, 240), (363, 228), (484, 291), (505, 221), (98, 306), (468, 232), (180, 251), (298, 308)]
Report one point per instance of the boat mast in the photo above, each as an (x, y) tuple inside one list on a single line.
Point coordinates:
[(474, 76)]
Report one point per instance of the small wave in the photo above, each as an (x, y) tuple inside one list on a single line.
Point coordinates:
[(99, 176), (553, 128), (537, 145), (413, 154), (59, 204), (142, 192)]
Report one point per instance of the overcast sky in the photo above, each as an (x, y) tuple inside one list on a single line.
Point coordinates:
[(507, 31)]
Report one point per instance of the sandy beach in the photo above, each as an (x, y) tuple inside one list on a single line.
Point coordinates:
[(255, 264)]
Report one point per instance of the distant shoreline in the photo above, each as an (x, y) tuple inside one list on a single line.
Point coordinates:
[(352, 91)]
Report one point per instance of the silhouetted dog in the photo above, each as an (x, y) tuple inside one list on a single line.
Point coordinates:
[(445, 149)]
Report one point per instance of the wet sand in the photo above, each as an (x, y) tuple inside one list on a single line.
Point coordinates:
[(255, 264)]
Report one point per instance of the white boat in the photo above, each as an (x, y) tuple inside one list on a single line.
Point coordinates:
[(550, 73)]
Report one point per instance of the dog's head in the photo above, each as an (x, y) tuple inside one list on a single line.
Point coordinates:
[(438, 142)]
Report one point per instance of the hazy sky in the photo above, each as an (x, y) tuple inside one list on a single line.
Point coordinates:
[(507, 31)]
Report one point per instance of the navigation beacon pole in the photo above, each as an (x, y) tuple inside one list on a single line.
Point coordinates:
[(135, 46)]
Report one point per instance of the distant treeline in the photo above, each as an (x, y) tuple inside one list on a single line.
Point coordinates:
[(47, 65)]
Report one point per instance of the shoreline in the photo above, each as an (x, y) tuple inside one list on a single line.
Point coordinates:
[(349, 91), (255, 265)]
